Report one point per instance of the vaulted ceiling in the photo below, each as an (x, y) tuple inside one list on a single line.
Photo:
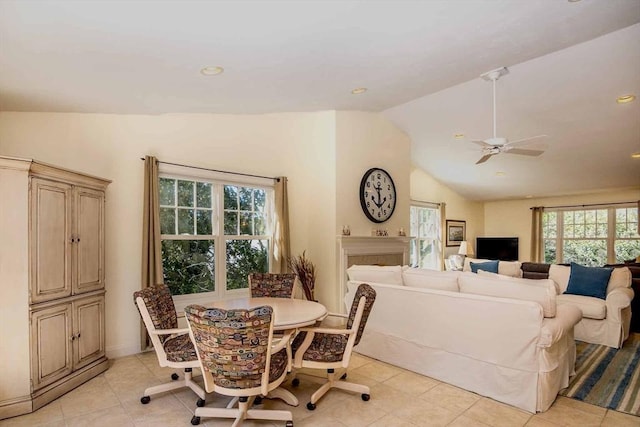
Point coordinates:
[(419, 60)]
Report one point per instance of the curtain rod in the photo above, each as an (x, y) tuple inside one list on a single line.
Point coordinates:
[(424, 201), (217, 170), (584, 206)]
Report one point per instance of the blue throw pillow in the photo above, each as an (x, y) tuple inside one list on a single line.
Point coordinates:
[(588, 281), (490, 266)]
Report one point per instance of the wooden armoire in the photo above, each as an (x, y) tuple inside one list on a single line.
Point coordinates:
[(52, 288)]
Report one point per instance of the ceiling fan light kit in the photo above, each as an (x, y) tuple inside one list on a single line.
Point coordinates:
[(497, 144)]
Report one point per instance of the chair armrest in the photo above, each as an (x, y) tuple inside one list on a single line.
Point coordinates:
[(175, 331), (281, 342), (555, 328), (617, 300)]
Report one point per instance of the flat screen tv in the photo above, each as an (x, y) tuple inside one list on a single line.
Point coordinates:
[(501, 248)]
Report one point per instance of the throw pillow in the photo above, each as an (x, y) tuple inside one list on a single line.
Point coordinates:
[(588, 281), (490, 266)]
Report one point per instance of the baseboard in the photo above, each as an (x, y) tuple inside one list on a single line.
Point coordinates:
[(16, 406)]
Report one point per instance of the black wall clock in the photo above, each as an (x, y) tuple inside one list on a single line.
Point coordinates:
[(377, 195)]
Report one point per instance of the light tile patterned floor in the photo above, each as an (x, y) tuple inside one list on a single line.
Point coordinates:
[(399, 398)]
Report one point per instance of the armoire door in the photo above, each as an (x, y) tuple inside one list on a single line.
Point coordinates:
[(51, 344), (50, 240), (88, 328), (88, 246)]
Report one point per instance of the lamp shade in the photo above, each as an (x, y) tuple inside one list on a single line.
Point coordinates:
[(465, 249)]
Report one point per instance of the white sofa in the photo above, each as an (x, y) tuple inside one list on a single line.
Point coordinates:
[(450, 326), (604, 321)]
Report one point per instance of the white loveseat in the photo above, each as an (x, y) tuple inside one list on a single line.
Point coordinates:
[(450, 326)]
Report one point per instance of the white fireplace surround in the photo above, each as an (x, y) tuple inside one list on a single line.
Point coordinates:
[(372, 250)]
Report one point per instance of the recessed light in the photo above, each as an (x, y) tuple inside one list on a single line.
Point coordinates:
[(458, 135), (529, 196), (573, 1), (359, 90), (211, 71), (635, 155), (500, 173), (625, 98)]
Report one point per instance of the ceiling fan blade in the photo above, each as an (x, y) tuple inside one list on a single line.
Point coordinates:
[(524, 141), (484, 158), (524, 151)]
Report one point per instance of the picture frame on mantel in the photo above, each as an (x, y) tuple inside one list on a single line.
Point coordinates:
[(456, 232)]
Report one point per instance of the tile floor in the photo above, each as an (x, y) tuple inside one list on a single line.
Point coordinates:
[(399, 398)]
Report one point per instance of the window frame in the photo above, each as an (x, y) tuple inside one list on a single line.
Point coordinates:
[(218, 180), (609, 240), (414, 243)]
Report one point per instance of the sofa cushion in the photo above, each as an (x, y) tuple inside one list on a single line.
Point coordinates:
[(592, 308), (543, 292), (391, 275), (588, 281), (534, 282), (431, 279), (507, 268), (560, 275), (490, 266)]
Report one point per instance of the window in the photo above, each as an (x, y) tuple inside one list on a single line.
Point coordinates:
[(213, 234), (426, 241), (592, 237)]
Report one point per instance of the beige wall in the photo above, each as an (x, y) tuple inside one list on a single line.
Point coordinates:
[(513, 218), (302, 146), (427, 189)]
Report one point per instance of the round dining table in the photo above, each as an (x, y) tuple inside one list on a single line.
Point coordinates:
[(288, 314)]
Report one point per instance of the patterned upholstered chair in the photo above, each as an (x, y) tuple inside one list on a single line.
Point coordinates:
[(278, 285), (173, 346), (328, 348), (238, 359)]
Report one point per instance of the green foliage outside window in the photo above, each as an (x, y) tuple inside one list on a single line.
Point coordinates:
[(244, 257), (189, 266)]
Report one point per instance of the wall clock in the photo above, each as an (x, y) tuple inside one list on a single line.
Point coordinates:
[(377, 195)]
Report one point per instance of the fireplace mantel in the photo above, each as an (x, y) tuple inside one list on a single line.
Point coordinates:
[(388, 250)]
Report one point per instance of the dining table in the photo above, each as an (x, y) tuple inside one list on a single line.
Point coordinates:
[(289, 314)]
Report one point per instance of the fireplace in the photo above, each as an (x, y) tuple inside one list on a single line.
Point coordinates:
[(364, 250)]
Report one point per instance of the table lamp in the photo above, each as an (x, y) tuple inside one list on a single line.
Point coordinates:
[(465, 249)]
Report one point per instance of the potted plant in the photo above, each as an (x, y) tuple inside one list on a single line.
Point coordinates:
[(306, 272)]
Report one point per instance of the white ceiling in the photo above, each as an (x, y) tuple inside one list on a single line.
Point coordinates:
[(420, 61)]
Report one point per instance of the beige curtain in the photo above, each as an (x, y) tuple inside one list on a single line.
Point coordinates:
[(536, 233), (443, 233), (281, 243), (151, 251)]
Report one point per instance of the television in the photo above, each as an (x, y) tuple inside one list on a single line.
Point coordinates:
[(500, 248)]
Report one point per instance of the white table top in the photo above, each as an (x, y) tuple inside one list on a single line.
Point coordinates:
[(288, 313)]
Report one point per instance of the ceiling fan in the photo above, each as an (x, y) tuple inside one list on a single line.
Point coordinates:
[(496, 144)]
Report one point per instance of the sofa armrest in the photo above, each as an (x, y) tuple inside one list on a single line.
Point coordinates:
[(617, 300), (554, 328)]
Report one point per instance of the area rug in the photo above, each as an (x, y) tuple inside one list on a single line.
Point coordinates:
[(608, 377)]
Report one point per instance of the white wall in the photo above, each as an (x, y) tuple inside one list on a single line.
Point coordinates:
[(301, 146), (512, 218), (427, 189)]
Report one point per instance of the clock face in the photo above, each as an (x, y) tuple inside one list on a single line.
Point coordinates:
[(377, 195)]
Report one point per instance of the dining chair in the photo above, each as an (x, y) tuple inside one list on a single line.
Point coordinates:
[(172, 345), (278, 285), (330, 348), (238, 359)]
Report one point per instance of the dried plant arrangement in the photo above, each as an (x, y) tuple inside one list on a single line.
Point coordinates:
[(306, 272)]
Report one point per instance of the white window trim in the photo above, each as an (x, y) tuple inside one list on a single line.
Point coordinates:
[(219, 180), (438, 239)]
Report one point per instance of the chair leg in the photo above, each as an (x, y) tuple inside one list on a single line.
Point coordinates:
[(242, 412), (175, 385), (334, 380)]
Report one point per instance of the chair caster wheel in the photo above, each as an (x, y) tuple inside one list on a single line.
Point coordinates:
[(344, 376), (289, 424), (257, 400), (200, 403), (366, 397), (174, 376), (145, 399), (195, 421), (295, 382), (311, 406)]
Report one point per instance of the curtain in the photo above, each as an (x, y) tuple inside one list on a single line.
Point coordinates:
[(281, 244), (536, 234), (443, 234), (151, 245)]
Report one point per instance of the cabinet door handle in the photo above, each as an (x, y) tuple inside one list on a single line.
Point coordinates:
[(72, 338), (78, 239), (73, 240), (78, 336)]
